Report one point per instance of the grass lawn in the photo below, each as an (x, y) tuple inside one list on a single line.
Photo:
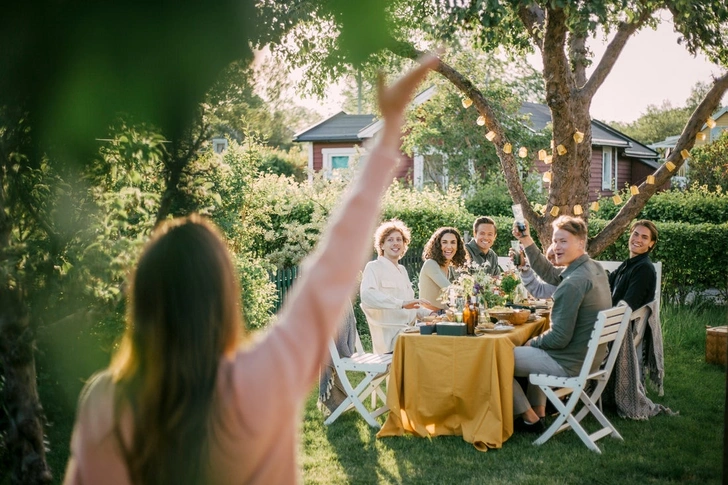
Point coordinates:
[(682, 449)]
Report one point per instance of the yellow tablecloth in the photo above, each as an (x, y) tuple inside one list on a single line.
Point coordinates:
[(443, 385)]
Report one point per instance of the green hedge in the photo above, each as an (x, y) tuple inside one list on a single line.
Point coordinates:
[(695, 205)]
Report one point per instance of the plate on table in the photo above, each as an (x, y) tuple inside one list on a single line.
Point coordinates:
[(412, 330), (493, 330)]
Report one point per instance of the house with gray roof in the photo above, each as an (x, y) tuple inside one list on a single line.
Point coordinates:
[(617, 159)]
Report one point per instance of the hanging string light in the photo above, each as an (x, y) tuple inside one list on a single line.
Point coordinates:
[(650, 180), (481, 120), (711, 123), (467, 102), (554, 211), (542, 154), (578, 137), (670, 166), (490, 136), (685, 154), (617, 199), (547, 176), (634, 190), (523, 152), (578, 210), (507, 148), (594, 206), (701, 136), (548, 160), (561, 150)]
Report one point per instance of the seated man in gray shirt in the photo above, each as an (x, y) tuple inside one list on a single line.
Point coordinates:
[(479, 247), (582, 292)]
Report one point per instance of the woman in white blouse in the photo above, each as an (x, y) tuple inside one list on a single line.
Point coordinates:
[(387, 297)]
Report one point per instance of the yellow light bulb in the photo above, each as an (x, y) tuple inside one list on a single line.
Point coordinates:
[(634, 190), (554, 211), (523, 152), (481, 120), (710, 122), (617, 199), (467, 102), (490, 136), (670, 166), (548, 160), (507, 148), (542, 154), (561, 150), (594, 206), (547, 176), (578, 137), (701, 136), (650, 180), (685, 154), (578, 210)]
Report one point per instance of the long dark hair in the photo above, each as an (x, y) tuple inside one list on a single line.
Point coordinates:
[(184, 314), (433, 248)]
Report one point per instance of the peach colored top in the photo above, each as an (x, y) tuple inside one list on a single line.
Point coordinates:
[(260, 390)]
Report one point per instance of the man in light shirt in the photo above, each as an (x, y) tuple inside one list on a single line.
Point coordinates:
[(387, 297)]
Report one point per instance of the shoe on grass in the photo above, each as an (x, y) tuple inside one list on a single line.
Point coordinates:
[(522, 426)]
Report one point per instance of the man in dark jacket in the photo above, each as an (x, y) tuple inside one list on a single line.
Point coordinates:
[(635, 279)]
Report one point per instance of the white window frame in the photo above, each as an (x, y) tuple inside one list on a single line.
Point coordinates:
[(219, 145), (327, 155), (607, 173)]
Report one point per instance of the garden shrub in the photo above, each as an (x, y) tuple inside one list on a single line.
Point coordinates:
[(698, 204)]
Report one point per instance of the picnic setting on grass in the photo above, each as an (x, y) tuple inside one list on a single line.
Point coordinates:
[(482, 357)]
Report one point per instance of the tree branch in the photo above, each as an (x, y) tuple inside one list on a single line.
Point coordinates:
[(559, 81), (532, 16), (686, 141), (508, 163), (611, 54)]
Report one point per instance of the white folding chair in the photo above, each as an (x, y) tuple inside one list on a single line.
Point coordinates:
[(375, 368), (611, 326)]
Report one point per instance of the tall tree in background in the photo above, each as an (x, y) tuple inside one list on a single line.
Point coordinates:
[(560, 32), (659, 122)]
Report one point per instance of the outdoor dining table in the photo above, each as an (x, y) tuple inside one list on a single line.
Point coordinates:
[(455, 385)]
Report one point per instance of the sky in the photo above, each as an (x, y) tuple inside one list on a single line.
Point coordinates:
[(652, 68)]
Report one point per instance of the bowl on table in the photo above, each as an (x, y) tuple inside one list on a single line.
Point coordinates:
[(515, 317)]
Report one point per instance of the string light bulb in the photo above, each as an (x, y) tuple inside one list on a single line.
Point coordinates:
[(547, 176), (701, 136), (548, 160), (670, 166), (507, 148), (554, 211), (467, 102), (634, 190), (578, 137), (578, 210), (481, 120), (710, 122), (490, 136), (650, 180), (594, 206), (542, 154), (523, 152), (685, 154), (617, 199), (561, 150)]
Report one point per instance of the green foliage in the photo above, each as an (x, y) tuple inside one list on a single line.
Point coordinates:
[(493, 199), (426, 210), (656, 124), (291, 163), (697, 204), (709, 164)]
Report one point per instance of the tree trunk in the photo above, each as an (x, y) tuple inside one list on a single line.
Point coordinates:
[(24, 440)]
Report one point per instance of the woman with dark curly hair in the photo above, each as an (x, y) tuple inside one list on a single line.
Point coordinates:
[(443, 254)]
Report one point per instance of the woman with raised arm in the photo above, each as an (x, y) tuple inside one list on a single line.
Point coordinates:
[(182, 401)]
